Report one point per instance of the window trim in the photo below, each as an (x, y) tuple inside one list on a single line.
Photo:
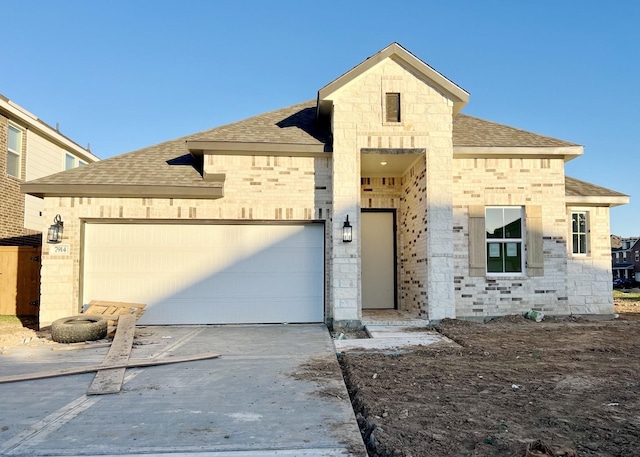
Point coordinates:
[(76, 161), (587, 249), (14, 152), (503, 241)]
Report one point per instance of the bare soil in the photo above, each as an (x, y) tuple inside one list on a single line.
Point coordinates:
[(572, 383), (21, 331)]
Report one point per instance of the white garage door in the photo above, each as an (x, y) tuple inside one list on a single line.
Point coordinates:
[(208, 274)]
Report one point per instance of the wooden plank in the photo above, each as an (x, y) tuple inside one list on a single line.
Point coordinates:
[(109, 381), (132, 363)]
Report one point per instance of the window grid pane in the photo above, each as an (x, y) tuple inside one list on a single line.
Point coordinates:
[(69, 162), (13, 164), (503, 229), (579, 232), (14, 144)]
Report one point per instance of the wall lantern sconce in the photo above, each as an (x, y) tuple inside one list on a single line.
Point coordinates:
[(347, 231), (54, 234)]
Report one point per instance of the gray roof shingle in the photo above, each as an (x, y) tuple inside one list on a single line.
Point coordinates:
[(576, 188), (472, 131), (170, 163)]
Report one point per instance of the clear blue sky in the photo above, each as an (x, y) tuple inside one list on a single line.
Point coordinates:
[(122, 75)]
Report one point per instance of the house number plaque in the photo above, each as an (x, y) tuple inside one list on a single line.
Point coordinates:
[(59, 249)]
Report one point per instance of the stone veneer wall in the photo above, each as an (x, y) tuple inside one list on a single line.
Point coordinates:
[(256, 189), (426, 123), (511, 182), (414, 254), (589, 286)]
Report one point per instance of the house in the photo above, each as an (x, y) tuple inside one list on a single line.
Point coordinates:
[(32, 149), (625, 259), (378, 194)]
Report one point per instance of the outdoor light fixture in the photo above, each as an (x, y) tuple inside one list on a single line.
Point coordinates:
[(54, 235), (347, 232)]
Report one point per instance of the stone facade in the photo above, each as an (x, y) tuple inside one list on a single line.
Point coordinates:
[(426, 123), (449, 175), (589, 276), (512, 182), (257, 188)]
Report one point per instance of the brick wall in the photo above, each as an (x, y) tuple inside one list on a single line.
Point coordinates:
[(511, 182), (413, 229), (12, 231)]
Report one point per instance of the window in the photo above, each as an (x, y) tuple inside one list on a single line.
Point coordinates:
[(14, 151), (579, 232), (503, 228), (392, 107), (71, 161), (637, 253)]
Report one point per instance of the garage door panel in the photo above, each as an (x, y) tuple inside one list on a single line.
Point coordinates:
[(208, 273)]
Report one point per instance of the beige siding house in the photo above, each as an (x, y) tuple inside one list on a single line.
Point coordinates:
[(32, 150), (377, 195)]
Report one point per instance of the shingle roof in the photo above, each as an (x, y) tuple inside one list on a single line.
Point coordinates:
[(472, 131), (171, 164), (576, 188)]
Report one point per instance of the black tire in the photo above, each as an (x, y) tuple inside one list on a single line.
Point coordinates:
[(78, 328)]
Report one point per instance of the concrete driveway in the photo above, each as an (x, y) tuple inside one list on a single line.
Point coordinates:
[(275, 390)]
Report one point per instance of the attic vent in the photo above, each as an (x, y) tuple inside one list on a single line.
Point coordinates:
[(392, 107)]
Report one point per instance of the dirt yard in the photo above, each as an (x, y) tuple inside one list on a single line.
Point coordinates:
[(572, 383), (21, 331)]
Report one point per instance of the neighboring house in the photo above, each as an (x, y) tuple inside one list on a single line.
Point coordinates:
[(625, 259), (379, 194), (31, 150)]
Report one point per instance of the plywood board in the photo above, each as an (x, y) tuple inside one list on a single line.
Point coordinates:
[(110, 380)]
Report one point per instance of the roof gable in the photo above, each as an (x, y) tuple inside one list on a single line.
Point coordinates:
[(459, 96)]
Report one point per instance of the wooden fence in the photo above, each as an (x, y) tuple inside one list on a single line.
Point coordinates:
[(20, 280)]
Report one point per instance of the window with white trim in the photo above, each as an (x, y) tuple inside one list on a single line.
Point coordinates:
[(579, 231), (71, 161), (637, 254), (14, 151), (504, 239)]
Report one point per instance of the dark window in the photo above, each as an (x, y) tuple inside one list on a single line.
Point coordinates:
[(393, 107), (504, 240)]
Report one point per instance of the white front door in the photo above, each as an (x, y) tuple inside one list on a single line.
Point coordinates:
[(378, 260)]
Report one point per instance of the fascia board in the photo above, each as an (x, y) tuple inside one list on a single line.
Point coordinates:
[(213, 191), (30, 121), (568, 152), (199, 147)]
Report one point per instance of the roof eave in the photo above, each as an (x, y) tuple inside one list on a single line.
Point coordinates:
[(214, 190), (459, 96), (597, 200), (201, 147), (567, 152), (31, 121)]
